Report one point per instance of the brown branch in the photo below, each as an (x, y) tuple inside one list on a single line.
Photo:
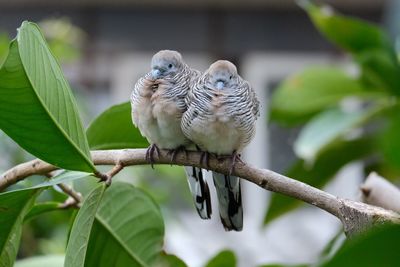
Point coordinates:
[(355, 216), (75, 198)]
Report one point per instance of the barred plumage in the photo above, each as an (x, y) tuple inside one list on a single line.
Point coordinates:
[(158, 103), (221, 112)]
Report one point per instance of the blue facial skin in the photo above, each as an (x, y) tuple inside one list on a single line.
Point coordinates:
[(220, 85), (155, 73), (162, 69)]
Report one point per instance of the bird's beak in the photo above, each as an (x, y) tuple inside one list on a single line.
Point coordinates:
[(155, 73), (220, 85)]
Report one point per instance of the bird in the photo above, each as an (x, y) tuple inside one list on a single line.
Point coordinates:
[(222, 109), (157, 104)]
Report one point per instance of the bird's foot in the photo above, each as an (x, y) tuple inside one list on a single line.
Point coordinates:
[(205, 159), (235, 157), (174, 152), (153, 149)]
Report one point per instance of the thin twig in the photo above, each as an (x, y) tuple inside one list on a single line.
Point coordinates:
[(71, 192), (355, 216), (74, 198), (107, 177)]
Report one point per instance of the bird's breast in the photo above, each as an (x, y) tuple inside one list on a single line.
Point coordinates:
[(218, 110)]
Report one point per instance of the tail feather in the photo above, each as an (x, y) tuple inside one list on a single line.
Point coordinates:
[(200, 191), (229, 200)]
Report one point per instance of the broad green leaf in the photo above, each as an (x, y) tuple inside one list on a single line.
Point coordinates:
[(352, 34), (13, 208), (377, 247), (225, 258), (168, 260), (42, 261), (389, 142), (305, 93), (326, 128), (370, 45), (329, 162), (128, 230), (37, 108), (378, 70), (63, 177), (77, 244), (41, 208), (285, 265), (113, 129), (4, 41)]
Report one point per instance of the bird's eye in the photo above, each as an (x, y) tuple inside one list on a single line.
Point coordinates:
[(230, 77), (170, 66)]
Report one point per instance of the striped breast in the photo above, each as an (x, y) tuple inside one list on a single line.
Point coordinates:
[(221, 121), (157, 108)]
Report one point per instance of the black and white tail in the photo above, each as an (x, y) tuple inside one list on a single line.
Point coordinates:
[(229, 200), (200, 191)]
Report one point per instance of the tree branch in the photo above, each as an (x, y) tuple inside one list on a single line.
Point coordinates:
[(74, 199), (355, 216), (378, 191)]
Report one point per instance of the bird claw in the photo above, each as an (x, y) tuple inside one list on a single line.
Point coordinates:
[(205, 159), (235, 158), (174, 152), (153, 148)]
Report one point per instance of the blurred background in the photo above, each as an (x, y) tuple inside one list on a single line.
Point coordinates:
[(105, 46)]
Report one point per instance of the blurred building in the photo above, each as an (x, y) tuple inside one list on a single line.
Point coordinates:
[(267, 39)]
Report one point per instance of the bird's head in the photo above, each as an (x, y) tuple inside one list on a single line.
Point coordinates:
[(166, 63), (222, 74)]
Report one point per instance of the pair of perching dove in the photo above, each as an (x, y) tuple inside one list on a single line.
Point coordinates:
[(176, 107)]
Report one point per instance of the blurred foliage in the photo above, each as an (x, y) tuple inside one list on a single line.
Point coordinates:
[(343, 117), (312, 90), (334, 135), (168, 260), (225, 258), (42, 261), (377, 247), (102, 230), (64, 39), (4, 43), (320, 172)]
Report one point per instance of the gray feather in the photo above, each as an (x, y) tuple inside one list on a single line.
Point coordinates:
[(229, 200), (200, 191)]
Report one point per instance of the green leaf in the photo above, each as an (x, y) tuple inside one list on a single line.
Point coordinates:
[(4, 41), (285, 265), (225, 258), (37, 108), (326, 128), (305, 93), (333, 246), (41, 208), (63, 177), (352, 34), (77, 245), (113, 129), (389, 142), (377, 247), (329, 162), (42, 261), (127, 231), (13, 208), (168, 260), (370, 45)]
